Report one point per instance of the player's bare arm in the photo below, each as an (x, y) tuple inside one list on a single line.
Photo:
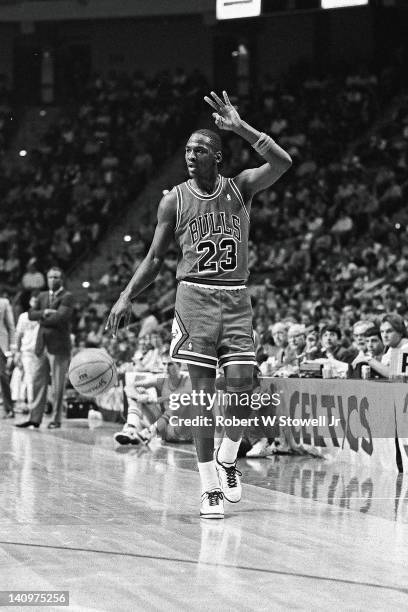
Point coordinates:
[(250, 181), (151, 264)]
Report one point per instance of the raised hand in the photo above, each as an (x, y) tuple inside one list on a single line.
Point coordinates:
[(226, 116)]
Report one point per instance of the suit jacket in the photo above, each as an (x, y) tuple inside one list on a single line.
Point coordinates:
[(7, 326), (55, 329)]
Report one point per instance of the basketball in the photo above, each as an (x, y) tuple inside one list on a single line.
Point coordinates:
[(92, 371)]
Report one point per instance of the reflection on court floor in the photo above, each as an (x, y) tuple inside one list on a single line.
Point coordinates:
[(119, 528), (380, 493)]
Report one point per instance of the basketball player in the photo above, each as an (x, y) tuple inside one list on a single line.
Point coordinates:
[(209, 217)]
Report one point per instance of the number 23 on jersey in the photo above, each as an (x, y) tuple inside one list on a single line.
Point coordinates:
[(217, 256)]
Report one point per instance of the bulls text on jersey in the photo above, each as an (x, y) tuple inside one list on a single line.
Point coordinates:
[(214, 223)]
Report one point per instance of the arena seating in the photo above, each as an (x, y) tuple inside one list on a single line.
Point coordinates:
[(90, 166)]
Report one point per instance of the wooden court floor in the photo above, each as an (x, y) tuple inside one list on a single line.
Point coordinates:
[(119, 529)]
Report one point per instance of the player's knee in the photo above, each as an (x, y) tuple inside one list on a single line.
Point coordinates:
[(239, 389), (203, 384), (238, 397), (239, 385)]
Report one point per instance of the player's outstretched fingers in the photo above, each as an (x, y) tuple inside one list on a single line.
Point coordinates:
[(127, 317), (226, 98), (112, 324), (210, 102), (217, 99)]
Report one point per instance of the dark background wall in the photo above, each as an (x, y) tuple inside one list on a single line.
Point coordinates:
[(151, 44), (275, 42), (7, 36)]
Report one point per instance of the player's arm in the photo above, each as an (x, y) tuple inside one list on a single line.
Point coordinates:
[(151, 264), (277, 160)]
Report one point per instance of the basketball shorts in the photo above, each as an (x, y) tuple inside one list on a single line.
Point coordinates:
[(212, 327)]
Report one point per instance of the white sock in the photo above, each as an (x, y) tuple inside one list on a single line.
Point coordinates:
[(208, 476), (133, 416), (217, 442), (133, 420), (228, 450)]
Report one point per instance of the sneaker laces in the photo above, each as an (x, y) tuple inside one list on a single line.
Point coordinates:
[(214, 497), (232, 473)]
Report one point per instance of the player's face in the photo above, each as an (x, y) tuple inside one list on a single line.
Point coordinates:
[(200, 156)]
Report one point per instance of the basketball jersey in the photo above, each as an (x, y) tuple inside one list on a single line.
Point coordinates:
[(212, 232)]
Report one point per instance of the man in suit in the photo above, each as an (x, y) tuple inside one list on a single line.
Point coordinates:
[(7, 347), (53, 311)]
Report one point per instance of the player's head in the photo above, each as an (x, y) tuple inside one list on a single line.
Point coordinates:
[(203, 153)]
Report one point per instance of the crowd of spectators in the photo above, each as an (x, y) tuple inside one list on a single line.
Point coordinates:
[(90, 166), (343, 255)]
